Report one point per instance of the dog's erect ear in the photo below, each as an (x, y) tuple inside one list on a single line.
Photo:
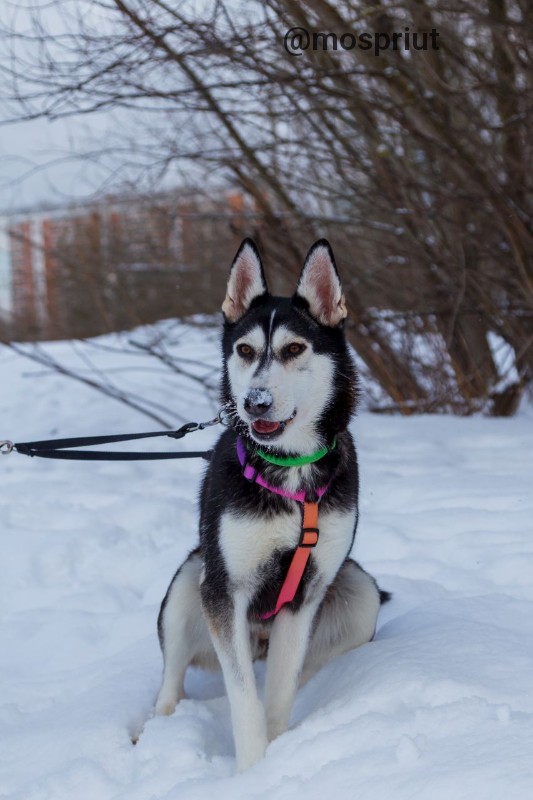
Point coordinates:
[(320, 285), (246, 282)]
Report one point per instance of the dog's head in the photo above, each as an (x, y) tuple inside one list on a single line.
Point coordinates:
[(288, 375)]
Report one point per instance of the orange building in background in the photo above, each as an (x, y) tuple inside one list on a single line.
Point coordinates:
[(64, 262)]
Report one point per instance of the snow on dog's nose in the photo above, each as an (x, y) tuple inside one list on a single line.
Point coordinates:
[(257, 402)]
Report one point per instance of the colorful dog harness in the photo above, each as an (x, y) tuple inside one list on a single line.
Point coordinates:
[(308, 534)]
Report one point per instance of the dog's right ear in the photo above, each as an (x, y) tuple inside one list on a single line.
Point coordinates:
[(319, 285), (246, 282)]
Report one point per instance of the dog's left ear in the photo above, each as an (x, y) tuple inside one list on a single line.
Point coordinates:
[(246, 281), (319, 284)]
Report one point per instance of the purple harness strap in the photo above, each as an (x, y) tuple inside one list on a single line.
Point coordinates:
[(255, 477)]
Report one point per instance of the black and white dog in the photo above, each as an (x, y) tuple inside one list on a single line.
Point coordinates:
[(264, 582)]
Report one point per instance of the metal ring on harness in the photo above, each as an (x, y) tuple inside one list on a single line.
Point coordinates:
[(225, 417), (6, 447)]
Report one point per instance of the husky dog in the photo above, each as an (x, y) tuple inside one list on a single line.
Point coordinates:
[(291, 388)]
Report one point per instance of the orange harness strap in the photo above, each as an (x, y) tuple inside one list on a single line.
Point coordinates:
[(308, 540)]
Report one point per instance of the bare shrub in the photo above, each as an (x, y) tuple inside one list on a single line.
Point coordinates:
[(414, 164)]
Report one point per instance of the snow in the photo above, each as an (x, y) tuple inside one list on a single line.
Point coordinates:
[(440, 705)]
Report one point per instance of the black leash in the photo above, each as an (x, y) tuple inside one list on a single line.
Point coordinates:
[(55, 448)]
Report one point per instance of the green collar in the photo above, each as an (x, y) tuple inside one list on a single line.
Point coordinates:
[(298, 461)]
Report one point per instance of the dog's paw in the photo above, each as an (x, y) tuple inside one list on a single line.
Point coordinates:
[(275, 728), (165, 708), (251, 742), (165, 705), (253, 754)]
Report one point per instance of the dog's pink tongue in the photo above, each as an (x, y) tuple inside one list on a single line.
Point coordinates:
[(265, 426)]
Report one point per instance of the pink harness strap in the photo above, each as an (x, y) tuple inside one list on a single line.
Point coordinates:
[(254, 476), (308, 536)]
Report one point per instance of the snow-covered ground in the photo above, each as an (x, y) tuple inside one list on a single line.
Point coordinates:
[(440, 705)]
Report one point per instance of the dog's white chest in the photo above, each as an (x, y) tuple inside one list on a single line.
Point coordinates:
[(247, 541)]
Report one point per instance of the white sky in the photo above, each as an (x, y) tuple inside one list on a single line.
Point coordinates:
[(35, 166)]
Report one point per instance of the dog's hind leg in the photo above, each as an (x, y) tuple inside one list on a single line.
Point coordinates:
[(183, 633), (346, 618)]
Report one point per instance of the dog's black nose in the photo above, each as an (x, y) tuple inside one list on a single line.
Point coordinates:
[(257, 401)]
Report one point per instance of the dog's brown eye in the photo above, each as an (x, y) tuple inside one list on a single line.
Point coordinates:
[(245, 350), (294, 349)]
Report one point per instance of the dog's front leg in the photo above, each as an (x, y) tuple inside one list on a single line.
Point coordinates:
[(287, 647), (231, 638)]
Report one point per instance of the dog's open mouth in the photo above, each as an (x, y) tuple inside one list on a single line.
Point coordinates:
[(265, 426), (268, 428)]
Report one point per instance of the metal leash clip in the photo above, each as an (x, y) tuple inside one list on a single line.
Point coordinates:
[(223, 417), (208, 424), (6, 446)]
